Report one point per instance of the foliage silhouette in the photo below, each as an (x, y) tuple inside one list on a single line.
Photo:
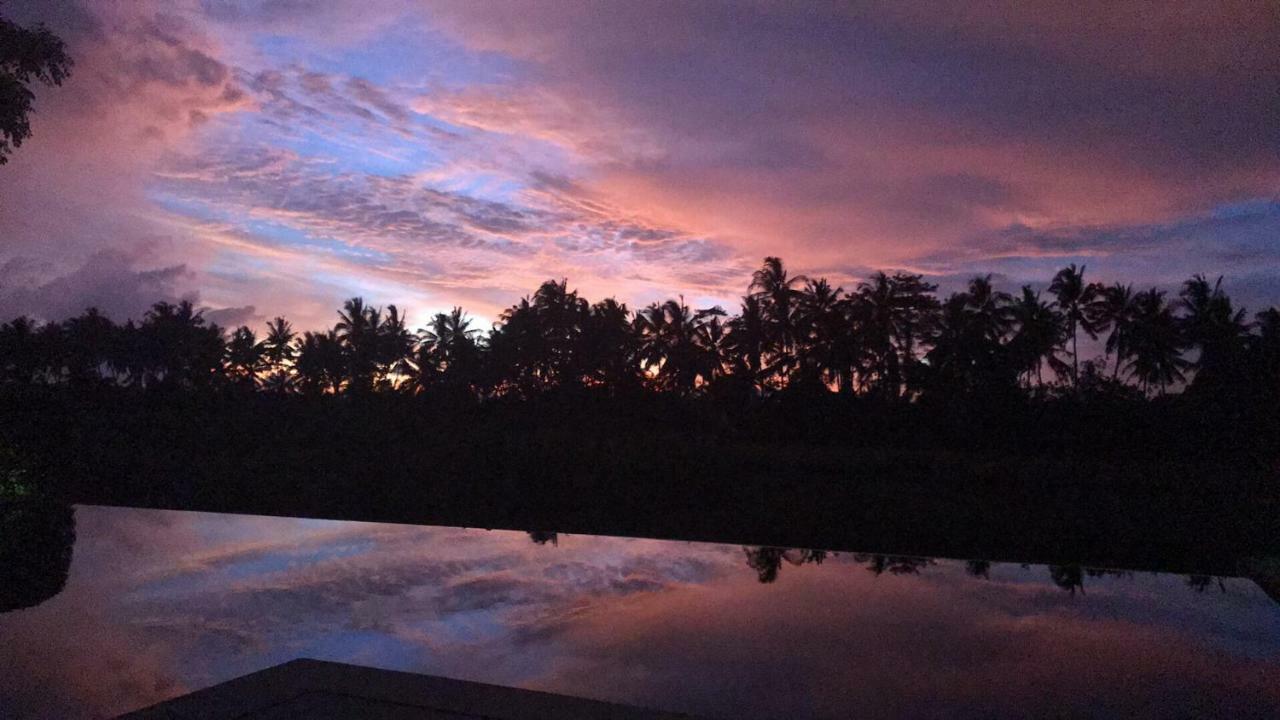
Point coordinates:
[(889, 339), (26, 55), (36, 539)]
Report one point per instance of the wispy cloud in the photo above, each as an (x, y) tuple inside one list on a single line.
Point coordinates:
[(290, 153)]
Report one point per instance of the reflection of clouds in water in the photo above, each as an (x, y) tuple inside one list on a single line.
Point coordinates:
[(839, 642), (173, 601)]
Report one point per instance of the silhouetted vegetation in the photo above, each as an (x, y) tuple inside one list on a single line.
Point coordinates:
[(890, 338), (814, 416), (26, 55), (36, 539)]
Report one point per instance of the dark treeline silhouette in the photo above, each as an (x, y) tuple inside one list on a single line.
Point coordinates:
[(970, 426), (890, 337)]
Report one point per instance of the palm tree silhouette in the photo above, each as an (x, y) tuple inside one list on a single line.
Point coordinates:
[(321, 364), (968, 344), (278, 353), (766, 561), (1039, 335), (395, 348), (1067, 577), (1155, 342), (1211, 325), (821, 320), (606, 351), (357, 331), (1073, 299), (777, 293), (674, 347), (177, 347), (890, 316), (1114, 310), (244, 357), (447, 353), (749, 339), (889, 338), (88, 344)]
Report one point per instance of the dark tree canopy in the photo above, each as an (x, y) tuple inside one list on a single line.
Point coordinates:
[(890, 338), (26, 55)]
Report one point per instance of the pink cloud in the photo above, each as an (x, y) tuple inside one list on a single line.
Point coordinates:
[(640, 151)]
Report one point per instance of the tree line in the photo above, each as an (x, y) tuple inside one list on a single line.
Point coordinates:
[(890, 337)]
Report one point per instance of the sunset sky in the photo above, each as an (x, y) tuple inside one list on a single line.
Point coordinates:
[(277, 156)]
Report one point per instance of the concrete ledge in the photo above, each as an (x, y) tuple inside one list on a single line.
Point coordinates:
[(320, 690)]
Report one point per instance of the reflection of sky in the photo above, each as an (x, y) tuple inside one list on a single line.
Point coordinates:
[(160, 603)]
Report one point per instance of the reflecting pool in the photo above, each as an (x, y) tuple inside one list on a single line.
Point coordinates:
[(159, 603)]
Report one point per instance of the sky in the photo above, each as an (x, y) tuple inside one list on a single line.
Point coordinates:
[(266, 157), (160, 603)]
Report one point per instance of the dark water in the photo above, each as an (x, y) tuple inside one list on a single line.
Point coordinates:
[(160, 603)]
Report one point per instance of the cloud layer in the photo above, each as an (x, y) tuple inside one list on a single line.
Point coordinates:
[(288, 154)]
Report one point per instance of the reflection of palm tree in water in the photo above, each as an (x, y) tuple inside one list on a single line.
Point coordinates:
[(1067, 577), (542, 537), (894, 564), (767, 561)]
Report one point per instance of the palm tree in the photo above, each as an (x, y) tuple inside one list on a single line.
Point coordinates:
[(176, 346), (712, 339), (968, 344), (777, 294), (395, 346), (277, 346), (560, 315), (1155, 342), (820, 323), (891, 315), (1211, 325), (278, 353), (1114, 310), (748, 339), (534, 345), (673, 345), (88, 341), (321, 364), (244, 357), (606, 352), (988, 310), (1039, 334), (357, 331), (1073, 300), (448, 353)]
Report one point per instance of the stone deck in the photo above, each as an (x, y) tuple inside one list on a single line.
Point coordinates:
[(319, 690)]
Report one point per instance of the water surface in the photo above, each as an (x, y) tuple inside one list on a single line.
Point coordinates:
[(160, 603)]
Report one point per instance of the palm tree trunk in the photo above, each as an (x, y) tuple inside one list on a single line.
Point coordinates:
[(1075, 355)]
